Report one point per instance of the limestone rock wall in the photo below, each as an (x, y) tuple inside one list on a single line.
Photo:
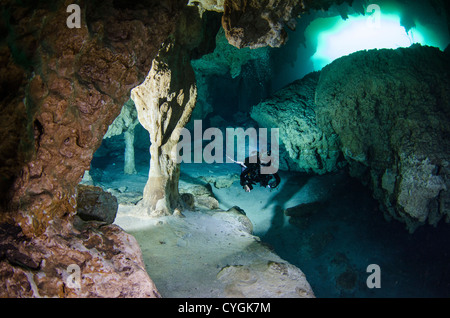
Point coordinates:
[(101, 261), (384, 113), (260, 23), (76, 81), (390, 110), (207, 5), (60, 90), (304, 146)]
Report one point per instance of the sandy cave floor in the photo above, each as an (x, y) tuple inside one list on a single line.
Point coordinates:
[(186, 257)]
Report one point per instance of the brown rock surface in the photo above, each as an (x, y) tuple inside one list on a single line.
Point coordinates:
[(258, 23), (108, 260), (95, 204), (72, 91), (60, 90)]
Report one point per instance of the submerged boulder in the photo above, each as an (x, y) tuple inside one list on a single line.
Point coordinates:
[(390, 110), (265, 280), (94, 204), (221, 181), (198, 196)]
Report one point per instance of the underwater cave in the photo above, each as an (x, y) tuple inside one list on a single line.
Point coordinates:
[(139, 149)]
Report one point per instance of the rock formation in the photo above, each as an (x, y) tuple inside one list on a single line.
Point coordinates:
[(390, 110), (164, 102), (261, 23), (207, 5), (382, 112), (196, 196), (227, 58), (292, 109), (94, 261), (265, 280), (125, 124), (72, 97), (95, 204), (61, 89), (221, 181)]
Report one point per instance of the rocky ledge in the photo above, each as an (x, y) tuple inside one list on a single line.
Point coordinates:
[(382, 113)]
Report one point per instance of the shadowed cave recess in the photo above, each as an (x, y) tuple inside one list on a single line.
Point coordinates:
[(94, 203)]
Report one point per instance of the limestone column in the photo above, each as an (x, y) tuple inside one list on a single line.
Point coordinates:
[(125, 124), (164, 102), (129, 165)]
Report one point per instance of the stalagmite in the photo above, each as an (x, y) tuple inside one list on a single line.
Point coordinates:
[(129, 165), (165, 101), (126, 123)]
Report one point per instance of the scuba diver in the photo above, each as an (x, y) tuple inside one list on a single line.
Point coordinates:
[(251, 174)]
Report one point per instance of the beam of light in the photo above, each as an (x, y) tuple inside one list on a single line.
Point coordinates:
[(337, 37)]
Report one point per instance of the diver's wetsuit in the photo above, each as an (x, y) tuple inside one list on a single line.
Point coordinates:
[(251, 174)]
